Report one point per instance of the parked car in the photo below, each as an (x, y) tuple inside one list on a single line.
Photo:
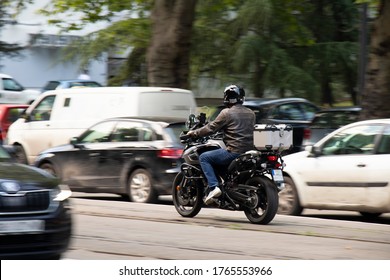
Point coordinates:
[(60, 84), (8, 114), (345, 170), (297, 112), (328, 120), (133, 157), (35, 214), (12, 92)]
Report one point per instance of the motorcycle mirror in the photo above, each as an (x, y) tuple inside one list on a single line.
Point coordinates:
[(191, 121)]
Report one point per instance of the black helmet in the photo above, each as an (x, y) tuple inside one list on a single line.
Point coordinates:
[(233, 95)]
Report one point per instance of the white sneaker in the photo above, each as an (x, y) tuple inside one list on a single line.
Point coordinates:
[(214, 193)]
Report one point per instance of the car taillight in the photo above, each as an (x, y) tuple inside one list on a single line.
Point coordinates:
[(306, 133), (170, 153)]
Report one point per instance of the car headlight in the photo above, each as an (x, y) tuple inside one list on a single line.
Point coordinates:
[(61, 193)]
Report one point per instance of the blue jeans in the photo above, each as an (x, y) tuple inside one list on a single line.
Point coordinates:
[(212, 158)]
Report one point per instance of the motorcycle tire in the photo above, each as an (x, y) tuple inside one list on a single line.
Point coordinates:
[(267, 201), (187, 199)]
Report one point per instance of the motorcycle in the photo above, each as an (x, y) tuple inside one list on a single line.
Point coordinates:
[(250, 183)]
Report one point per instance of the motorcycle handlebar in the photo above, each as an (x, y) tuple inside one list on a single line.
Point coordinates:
[(185, 137)]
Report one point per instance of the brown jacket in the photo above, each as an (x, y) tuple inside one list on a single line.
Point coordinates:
[(237, 124)]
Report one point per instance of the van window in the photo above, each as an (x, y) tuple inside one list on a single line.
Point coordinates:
[(42, 111)]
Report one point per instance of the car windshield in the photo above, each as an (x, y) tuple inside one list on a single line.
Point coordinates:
[(354, 140)]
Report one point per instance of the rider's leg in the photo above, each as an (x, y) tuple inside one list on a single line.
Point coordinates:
[(210, 159)]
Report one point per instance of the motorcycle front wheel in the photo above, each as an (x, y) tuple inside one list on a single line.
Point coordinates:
[(266, 201), (186, 198)]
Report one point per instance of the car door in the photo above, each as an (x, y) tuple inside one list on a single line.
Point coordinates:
[(127, 145), (347, 168), (88, 162)]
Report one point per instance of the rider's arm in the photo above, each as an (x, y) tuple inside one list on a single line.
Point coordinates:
[(213, 126)]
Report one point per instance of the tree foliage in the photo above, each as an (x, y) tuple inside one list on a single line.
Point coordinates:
[(274, 47)]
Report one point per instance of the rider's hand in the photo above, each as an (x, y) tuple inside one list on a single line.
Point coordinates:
[(192, 134)]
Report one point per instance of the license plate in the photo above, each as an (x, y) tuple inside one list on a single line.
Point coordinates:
[(22, 226), (277, 175)]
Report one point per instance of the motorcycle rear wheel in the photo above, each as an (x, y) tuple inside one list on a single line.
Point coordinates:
[(267, 201), (187, 199)]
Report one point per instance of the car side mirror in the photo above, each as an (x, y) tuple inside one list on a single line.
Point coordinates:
[(74, 141), (25, 116), (314, 151)]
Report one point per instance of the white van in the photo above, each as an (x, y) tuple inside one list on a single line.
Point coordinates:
[(58, 115)]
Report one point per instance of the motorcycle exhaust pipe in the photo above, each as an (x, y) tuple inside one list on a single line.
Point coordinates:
[(238, 196)]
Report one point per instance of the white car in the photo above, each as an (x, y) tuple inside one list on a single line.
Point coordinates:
[(346, 170), (11, 92)]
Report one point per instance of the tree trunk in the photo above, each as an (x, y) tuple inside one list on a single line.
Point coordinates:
[(169, 51), (376, 95)]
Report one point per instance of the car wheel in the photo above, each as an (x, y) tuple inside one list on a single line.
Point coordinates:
[(49, 168), (288, 199), (20, 155), (140, 187)]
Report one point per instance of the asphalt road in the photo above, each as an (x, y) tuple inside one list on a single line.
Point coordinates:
[(107, 227)]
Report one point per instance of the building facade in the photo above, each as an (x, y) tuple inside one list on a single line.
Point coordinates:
[(41, 60)]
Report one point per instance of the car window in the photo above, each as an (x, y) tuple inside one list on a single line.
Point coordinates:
[(334, 119), (308, 111), (289, 111), (51, 85), (127, 132), (384, 144), (354, 140), (98, 133), (11, 84), (14, 114), (174, 131), (42, 111)]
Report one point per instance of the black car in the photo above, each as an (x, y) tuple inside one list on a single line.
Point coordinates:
[(35, 214), (297, 112), (328, 120), (133, 157)]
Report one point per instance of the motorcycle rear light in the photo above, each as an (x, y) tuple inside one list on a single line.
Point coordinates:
[(170, 153), (272, 158)]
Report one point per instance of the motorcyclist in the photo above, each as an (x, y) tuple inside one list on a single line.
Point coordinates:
[(237, 123)]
